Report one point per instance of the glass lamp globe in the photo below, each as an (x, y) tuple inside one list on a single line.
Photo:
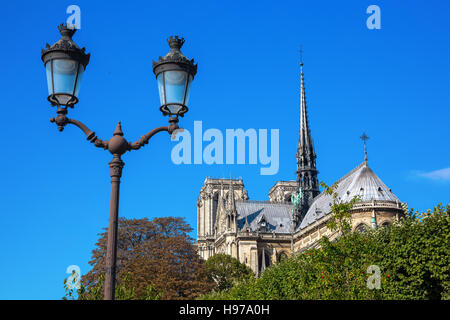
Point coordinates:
[(64, 64), (174, 74)]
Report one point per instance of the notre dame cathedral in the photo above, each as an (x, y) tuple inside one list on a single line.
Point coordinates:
[(260, 233)]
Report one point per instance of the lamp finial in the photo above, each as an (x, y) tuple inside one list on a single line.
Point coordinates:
[(118, 131), (66, 31), (175, 42)]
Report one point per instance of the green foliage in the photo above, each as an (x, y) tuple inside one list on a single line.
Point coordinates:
[(69, 286), (156, 259), (225, 271), (341, 219), (417, 256), (413, 257), (123, 291)]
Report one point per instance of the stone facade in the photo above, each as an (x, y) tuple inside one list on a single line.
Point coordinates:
[(261, 233), (282, 191), (259, 248), (207, 205)]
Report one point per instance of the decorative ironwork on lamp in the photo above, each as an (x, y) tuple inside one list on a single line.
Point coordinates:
[(174, 73), (64, 63)]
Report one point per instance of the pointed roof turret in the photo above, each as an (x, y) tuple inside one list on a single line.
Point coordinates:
[(361, 182), (246, 226)]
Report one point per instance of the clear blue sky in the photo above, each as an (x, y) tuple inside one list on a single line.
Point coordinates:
[(391, 83)]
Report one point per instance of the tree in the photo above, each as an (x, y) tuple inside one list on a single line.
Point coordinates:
[(155, 259), (226, 271), (341, 216), (413, 258), (417, 256), (123, 291)]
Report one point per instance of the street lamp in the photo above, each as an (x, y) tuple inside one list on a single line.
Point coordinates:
[(174, 73), (65, 64)]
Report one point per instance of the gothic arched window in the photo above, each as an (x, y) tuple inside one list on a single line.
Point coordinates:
[(361, 228), (263, 263), (386, 224), (287, 198), (215, 206), (282, 256)]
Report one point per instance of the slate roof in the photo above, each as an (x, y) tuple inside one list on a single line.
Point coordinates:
[(361, 181), (277, 215)]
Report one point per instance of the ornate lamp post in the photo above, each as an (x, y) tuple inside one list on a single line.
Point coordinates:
[(65, 64)]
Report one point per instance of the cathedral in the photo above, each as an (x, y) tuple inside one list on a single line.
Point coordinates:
[(261, 233)]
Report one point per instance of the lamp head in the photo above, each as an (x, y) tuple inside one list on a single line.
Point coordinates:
[(65, 63), (174, 73)]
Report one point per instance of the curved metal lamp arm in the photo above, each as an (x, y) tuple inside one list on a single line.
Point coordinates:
[(145, 138), (61, 120), (90, 135)]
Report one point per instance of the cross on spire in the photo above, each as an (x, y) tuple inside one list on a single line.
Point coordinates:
[(364, 138)]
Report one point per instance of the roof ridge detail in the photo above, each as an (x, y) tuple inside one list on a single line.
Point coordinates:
[(340, 180), (350, 173), (265, 202)]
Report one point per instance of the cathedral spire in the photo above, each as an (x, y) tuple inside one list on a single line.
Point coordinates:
[(305, 139), (306, 156)]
